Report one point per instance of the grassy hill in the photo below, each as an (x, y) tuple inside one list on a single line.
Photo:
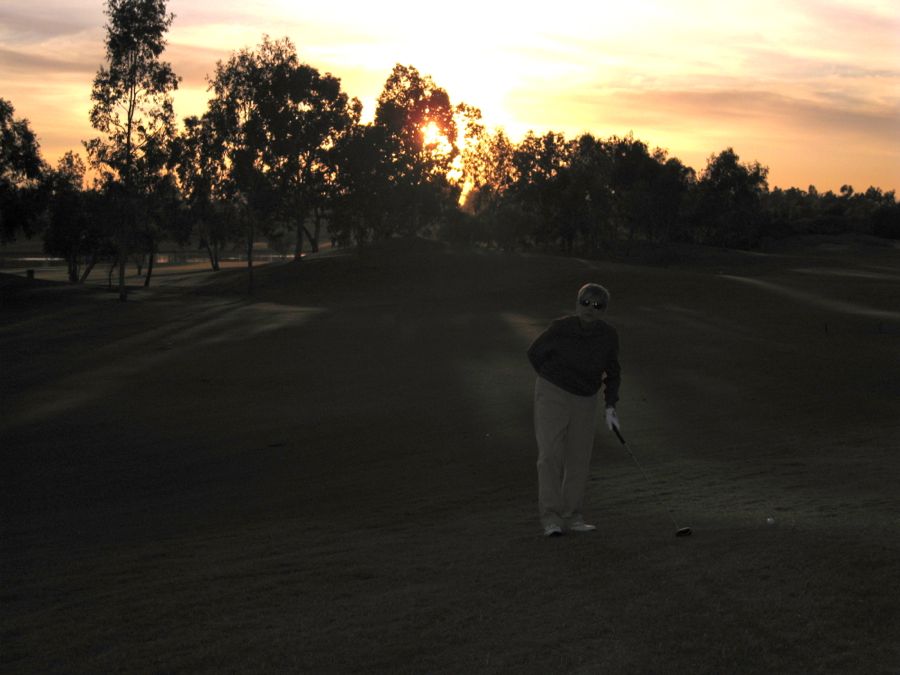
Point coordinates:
[(337, 473)]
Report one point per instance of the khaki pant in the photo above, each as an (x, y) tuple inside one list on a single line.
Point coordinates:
[(564, 429)]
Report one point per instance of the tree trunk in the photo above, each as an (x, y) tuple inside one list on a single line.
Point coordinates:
[(123, 290), (313, 241), (318, 230), (250, 261), (213, 253), (301, 229), (150, 259), (298, 246), (89, 266)]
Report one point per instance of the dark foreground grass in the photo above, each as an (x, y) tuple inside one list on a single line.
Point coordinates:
[(338, 476)]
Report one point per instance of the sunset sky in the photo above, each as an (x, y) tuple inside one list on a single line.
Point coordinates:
[(810, 88)]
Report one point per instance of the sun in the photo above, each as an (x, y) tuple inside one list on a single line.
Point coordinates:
[(434, 138)]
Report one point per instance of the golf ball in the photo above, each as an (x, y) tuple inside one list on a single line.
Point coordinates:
[(770, 520)]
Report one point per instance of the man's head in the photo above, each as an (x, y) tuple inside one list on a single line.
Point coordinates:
[(591, 304)]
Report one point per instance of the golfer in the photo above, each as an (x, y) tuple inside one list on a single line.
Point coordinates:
[(574, 358)]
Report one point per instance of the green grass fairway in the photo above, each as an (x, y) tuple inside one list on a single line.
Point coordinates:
[(338, 475)]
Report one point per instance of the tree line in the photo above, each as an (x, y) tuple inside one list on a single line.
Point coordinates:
[(281, 151)]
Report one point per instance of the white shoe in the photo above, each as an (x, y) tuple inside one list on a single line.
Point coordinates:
[(581, 526), (552, 530)]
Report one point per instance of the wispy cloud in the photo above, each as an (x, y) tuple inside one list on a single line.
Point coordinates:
[(35, 22), (20, 62), (737, 107)]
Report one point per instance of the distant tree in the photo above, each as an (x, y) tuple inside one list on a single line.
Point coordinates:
[(240, 117), (363, 186), (132, 107), (419, 127), (275, 122), (587, 202), (489, 172), (885, 219), (313, 115), (201, 169), (166, 219), (788, 211), (163, 216), (77, 223), (487, 168), (538, 164), (21, 168), (647, 190), (728, 208), (797, 212), (671, 185), (68, 222), (860, 207)]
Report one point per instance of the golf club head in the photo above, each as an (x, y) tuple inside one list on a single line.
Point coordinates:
[(679, 531)]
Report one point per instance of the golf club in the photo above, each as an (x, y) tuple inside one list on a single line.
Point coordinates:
[(679, 531)]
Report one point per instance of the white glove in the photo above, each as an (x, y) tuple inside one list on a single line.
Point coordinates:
[(612, 420)]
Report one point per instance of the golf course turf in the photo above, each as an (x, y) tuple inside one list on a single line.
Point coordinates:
[(337, 473)]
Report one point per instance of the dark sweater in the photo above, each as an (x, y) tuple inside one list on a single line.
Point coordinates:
[(579, 359)]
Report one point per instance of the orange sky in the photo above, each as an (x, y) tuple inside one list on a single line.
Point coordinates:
[(810, 88)]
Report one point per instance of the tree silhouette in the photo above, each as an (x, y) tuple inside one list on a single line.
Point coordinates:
[(647, 189), (729, 207), (364, 186), (281, 143), (588, 198), (275, 122), (132, 107), (419, 128), (312, 116), (21, 168), (537, 162), (241, 116), (200, 168), (77, 226), (487, 165)]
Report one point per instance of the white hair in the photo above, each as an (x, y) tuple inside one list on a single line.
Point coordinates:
[(593, 290)]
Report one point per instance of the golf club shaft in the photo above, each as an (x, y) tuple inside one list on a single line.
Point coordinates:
[(646, 477)]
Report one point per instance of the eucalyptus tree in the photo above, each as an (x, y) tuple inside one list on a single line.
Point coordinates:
[(672, 184), (729, 200), (363, 183), (201, 171), (275, 123), (166, 218), (420, 132), (21, 168), (585, 199), (78, 219), (68, 226), (163, 210), (487, 166), (312, 115), (630, 179), (538, 162), (132, 108), (885, 219), (239, 114)]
